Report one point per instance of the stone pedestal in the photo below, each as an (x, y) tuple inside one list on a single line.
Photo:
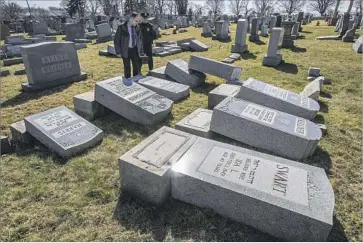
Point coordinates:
[(287, 41), (273, 57)]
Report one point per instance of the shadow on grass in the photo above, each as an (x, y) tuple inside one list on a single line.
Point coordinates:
[(259, 42), (306, 32), (323, 107), (301, 37), (248, 55), (205, 88), (319, 119), (177, 220), (24, 97), (297, 49), (325, 95), (320, 158), (337, 233), (287, 68)]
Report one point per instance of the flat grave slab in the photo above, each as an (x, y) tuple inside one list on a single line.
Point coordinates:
[(197, 123)]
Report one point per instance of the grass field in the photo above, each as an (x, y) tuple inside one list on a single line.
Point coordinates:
[(44, 198)]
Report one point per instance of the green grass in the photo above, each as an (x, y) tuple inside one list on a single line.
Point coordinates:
[(46, 199)]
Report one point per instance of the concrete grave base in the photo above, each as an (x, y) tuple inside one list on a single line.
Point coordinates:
[(19, 134), (335, 37), (239, 48), (254, 38), (29, 88), (197, 123), (20, 72), (223, 91), (105, 53), (4, 73), (81, 46), (159, 73), (5, 147), (272, 61), (86, 106), (13, 61)]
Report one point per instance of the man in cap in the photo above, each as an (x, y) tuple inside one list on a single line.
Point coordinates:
[(148, 36)]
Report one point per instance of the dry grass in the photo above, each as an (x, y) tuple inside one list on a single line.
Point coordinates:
[(45, 199)]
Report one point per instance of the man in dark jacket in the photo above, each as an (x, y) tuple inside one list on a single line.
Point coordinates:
[(148, 36), (127, 43)]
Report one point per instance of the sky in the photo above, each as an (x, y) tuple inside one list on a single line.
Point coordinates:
[(55, 3)]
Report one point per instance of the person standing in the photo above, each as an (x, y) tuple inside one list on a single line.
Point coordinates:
[(127, 43), (148, 36)]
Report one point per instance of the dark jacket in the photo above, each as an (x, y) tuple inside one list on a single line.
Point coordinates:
[(121, 40), (148, 33)]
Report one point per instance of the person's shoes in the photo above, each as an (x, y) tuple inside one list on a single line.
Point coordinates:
[(127, 81), (137, 77)]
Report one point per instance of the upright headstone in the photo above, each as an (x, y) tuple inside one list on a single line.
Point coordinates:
[(240, 45), (300, 19), (179, 71), (264, 30), (272, 23), (51, 64), (4, 31), (212, 67), (74, 32), (261, 93), (357, 46), (278, 21), (222, 30), (295, 31), (207, 30), (40, 28), (254, 31), (274, 57), (63, 131), (287, 41), (345, 24), (104, 33), (256, 125), (256, 189), (350, 34), (134, 102)]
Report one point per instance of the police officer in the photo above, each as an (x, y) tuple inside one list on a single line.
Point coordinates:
[(148, 36)]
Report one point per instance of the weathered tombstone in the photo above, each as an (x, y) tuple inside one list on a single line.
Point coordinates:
[(86, 106), (350, 25), (63, 131), (274, 97), (19, 135), (312, 90), (51, 64), (5, 146), (196, 45), (134, 102), (159, 73), (287, 41), (345, 23), (300, 19), (12, 61), (179, 71), (357, 46), (171, 90), (197, 123), (218, 94), (222, 29), (207, 30), (212, 67), (12, 51), (264, 31), (274, 57), (254, 31), (4, 73), (293, 137), (75, 33), (240, 45), (295, 31), (272, 23), (4, 31), (350, 34), (104, 33), (145, 169), (40, 28), (278, 21), (256, 189), (15, 40), (314, 72)]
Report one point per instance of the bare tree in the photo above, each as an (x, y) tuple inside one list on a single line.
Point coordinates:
[(359, 6), (159, 7), (237, 6), (106, 6), (350, 6), (264, 6), (216, 6), (291, 6), (182, 6), (92, 7), (321, 5), (12, 11)]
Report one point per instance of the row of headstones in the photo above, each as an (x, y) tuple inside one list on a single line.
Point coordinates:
[(76, 33), (259, 187)]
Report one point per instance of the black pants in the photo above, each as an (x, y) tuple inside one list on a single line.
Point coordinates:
[(148, 50), (133, 55)]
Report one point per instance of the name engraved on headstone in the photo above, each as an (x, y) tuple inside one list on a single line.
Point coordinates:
[(276, 92), (69, 129), (300, 126), (259, 113), (60, 67), (54, 58), (132, 93), (55, 120), (276, 179), (201, 120), (158, 151)]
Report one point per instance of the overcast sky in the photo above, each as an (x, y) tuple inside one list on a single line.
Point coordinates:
[(55, 3)]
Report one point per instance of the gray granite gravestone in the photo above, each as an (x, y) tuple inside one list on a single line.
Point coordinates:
[(145, 169), (5, 145), (207, 30), (240, 45), (272, 23), (212, 67), (254, 31), (171, 90), (104, 33), (264, 31), (4, 31), (75, 33), (19, 135), (178, 70), (218, 94), (196, 45), (197, 123), (273, 97), (222, 30), (300, 19), (312, 90), (159, 73), (345, 24), (313, 72), (51, 64), (4, 73), (274, 57), (295, 31), (350, 34), (287, 41), (278, 21), (357, 45), (293, 137), (40, 28), (134, 102), (63, 131), (86, 106), (284, 198)]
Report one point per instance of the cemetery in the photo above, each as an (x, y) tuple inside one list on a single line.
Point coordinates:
[(246, 129)]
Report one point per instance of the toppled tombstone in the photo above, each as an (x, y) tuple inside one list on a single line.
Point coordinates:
[(197, 123), (178, 70)]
